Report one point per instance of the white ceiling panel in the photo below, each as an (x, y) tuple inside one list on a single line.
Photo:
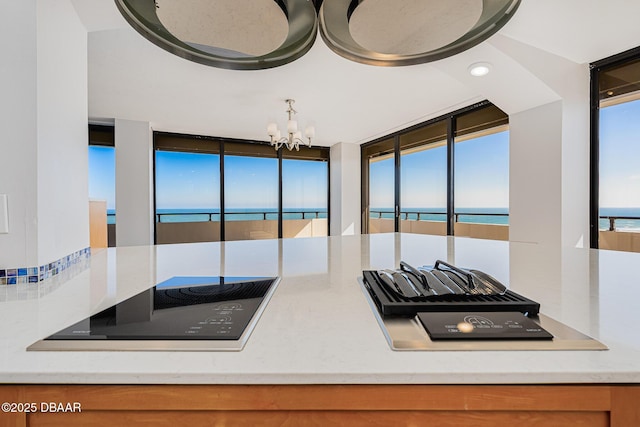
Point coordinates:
[(579, 30), (130, 78)]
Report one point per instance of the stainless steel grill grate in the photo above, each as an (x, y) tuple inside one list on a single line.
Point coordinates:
[(390, 302)]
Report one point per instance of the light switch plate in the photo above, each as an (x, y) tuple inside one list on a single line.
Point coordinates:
[(4, 214)]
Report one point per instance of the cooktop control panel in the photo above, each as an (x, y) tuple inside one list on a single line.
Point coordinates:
[(510, 325)]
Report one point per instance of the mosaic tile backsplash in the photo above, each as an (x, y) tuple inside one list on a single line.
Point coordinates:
[(14, 276)]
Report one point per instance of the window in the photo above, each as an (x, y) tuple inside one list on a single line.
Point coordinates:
[(187, 197), (482, 168), (379, 172), (620, 166), (250, 192), (102, 173), (408, 179), (305, 207), (102, 177), (615, 162), (187, 189), (210, 189), (423, 180)]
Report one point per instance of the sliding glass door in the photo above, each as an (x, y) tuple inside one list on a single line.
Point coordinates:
[(423, 180), (305, 207), (210, 189), (433, 177), (481, 175), (187, 195), (615, 167), (379, 172), (250, 193)]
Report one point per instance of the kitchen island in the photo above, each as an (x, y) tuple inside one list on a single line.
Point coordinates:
[(317, 354)]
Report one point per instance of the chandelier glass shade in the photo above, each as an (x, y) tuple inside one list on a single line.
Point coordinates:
[(293, 138)]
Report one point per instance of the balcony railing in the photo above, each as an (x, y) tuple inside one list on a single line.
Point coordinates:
[(419, 216), (424, 216), (612, 222), (192, 216), (237, 216)]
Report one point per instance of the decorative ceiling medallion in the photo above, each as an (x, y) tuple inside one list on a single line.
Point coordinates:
[(201, 31), (259, 34), (383, 33), (412, 27), (213, 26)]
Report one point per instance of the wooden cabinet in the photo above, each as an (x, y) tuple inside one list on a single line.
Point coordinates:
[(327, 405)]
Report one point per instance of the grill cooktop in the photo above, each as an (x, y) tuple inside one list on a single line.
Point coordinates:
[(445, 301), (182, 313), (391, 303)]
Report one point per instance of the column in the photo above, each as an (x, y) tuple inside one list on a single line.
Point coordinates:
[(134, 183), (345, 189)]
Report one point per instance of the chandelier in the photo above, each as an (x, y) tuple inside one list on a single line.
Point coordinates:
[(293, 139)]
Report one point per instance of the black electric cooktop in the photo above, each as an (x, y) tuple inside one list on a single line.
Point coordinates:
[(179, 309)]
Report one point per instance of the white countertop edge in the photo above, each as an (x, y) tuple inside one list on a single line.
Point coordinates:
[(534, 378)]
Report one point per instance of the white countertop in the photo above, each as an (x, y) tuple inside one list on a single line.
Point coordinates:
[(318, 328)]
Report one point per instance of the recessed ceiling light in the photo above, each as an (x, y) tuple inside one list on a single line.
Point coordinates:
[(479, 69)]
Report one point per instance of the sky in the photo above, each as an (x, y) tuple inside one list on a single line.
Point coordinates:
[(620, 156), (190, 180), (102, 174), (481, 176), (187, 180)]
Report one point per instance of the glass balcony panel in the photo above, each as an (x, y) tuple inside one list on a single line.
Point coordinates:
[(423, 180), (251, 197), (381, 195), (102, 183), (187, 197), (304, 198), (619, 195), (482, 179)]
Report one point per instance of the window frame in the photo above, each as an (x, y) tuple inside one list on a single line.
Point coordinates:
[(101, 135), (368, 149), (596, 68), (169, 141)]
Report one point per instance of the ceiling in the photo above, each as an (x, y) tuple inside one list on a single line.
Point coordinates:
[(130, 78)]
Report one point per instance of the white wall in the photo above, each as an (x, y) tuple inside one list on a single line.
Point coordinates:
[(134, 183), (43, 117), (62, 165), (570, 82), (549, 174), (18, 143), (575, 166), (535, 159), (345, 189)]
